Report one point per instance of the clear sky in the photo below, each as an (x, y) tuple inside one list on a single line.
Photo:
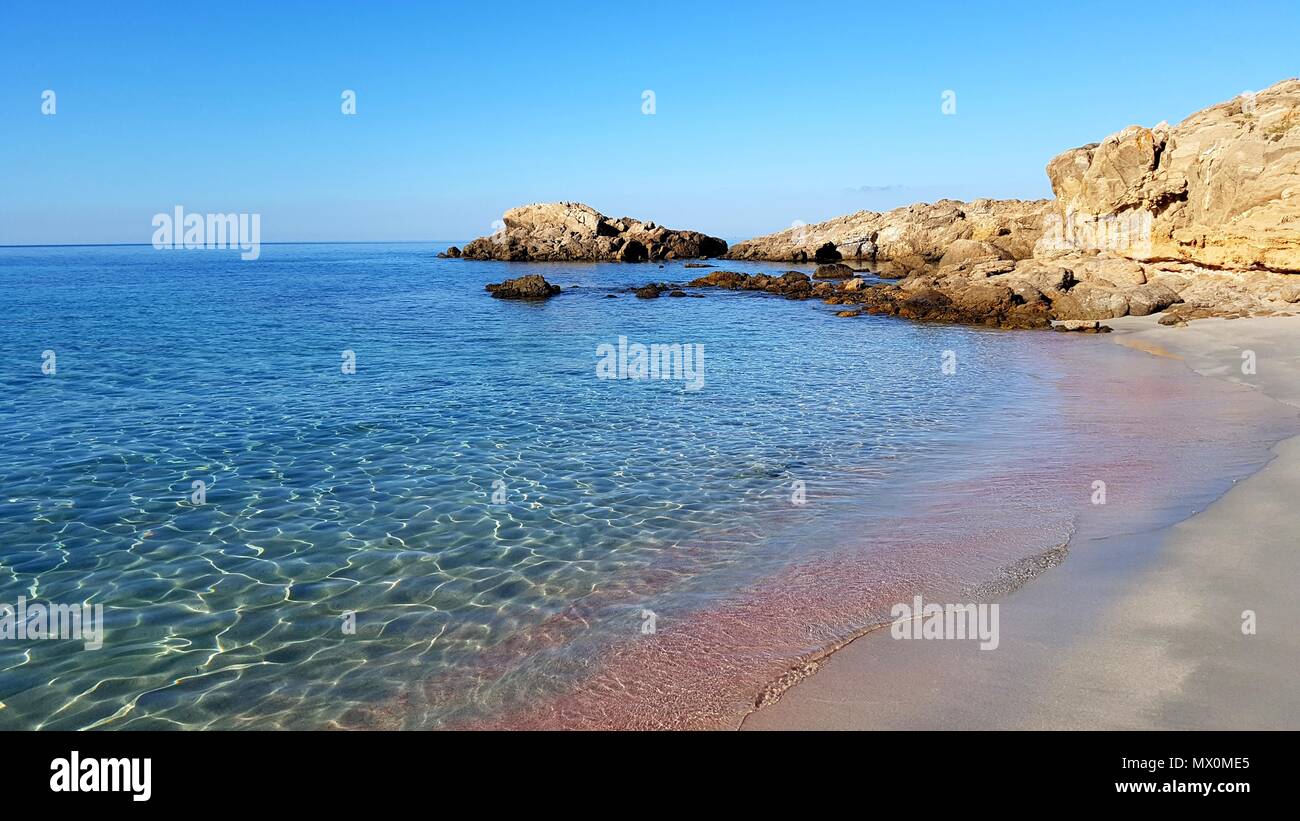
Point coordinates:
[(765, 113)]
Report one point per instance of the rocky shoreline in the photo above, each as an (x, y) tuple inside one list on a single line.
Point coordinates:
[(1197, 220)]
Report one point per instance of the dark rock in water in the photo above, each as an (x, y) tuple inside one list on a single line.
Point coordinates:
[(697, 265), (975, 303), (730, 280), (834, 270), (677, 293), (451, 253), (611, 296), (532, 286), (791, 285), (650, 291), (994, 306)]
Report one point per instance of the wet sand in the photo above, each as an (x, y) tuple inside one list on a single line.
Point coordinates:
[(1135, 631)]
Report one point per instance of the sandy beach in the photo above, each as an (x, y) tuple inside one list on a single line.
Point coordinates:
[(1140, 631)]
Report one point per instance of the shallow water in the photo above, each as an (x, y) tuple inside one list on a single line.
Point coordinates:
[(371, 493)]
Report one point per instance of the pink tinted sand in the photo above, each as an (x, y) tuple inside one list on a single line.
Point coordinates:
[(1161, 439)]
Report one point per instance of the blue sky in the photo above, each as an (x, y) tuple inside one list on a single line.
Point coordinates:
[(766, 113)]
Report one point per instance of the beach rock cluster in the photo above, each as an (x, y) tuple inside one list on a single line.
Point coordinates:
[(571, 231), (993, 305), (1085, 287), (1079, 290)]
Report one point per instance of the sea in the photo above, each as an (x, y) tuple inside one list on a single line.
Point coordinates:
[(341, 486)]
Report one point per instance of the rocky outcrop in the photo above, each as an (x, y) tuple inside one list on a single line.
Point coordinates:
[(1198, 219), (1086, 287), (533, 286), (570, 231), (983, 304), (791, 284), (907, 239), (992, 305), (1080, 289), (1221, 189), (833, 270)]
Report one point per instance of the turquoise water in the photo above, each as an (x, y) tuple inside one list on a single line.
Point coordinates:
[(371, 493)]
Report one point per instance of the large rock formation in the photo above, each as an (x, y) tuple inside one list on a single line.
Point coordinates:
[(571, 231), (907, 239), (1197, 219), (1200, 219), (1220, 189)]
